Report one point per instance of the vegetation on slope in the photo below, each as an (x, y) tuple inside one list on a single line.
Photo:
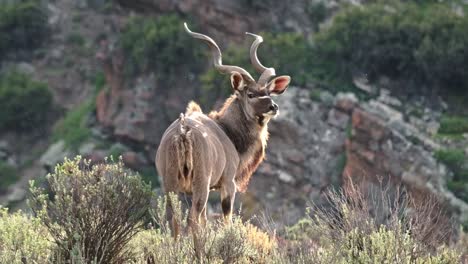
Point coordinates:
[(23, 25), (99, 214), (73, 128), (8, 175), (159, 45), (456, 161), (25, 103), (423, 44)]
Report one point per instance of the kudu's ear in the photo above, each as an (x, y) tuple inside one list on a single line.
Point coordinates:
[(237, 81), (278, 85)]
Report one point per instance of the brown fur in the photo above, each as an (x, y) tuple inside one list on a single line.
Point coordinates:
[(243, 178), (248, 137)]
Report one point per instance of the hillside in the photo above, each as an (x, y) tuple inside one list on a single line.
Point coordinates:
[(378, 93)]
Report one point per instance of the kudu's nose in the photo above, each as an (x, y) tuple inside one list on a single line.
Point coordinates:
[(274, 107)]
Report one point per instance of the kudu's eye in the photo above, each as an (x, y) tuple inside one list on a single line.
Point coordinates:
[(250, 95)]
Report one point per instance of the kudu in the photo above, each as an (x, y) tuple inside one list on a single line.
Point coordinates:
[(220, 151)]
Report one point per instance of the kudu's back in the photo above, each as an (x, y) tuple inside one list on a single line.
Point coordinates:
[(195, 154)]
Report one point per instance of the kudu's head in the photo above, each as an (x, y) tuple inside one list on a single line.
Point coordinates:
[(253, 96)]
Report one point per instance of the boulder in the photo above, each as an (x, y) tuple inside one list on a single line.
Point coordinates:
[(54, 154)]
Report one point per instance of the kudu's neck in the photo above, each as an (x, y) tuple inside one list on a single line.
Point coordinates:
[(245, 132)]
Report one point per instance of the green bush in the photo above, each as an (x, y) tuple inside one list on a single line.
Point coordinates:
[(453, 125), (23, 25), (425, 45), (23, 239), (457, 162), (8, 175), (453, 158), (288, 54), (160, 45), (92, 211), (25, 102), (386, 226), (75, 38), (317, 11)]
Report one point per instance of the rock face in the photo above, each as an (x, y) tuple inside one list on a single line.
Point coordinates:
[(224, 18), (317, 145), (305, 155), (383, 146)]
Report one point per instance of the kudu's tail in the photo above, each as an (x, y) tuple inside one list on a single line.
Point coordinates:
[(184, 146)]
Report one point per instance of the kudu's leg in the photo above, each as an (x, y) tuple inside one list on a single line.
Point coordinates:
[(198, 209), (170, 187), (203, 217), (197, 213), (171, 218), (228, 195)]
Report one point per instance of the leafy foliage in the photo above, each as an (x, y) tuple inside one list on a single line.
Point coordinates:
[(422, 44), (23, 239), (93, 211), (160, 45), (317, 11), (453, 125), (23, 25), (8, 175), (75, 38), (456, 161), (25, 102)]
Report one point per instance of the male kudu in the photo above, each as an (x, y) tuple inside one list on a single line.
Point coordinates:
[(221, 150)]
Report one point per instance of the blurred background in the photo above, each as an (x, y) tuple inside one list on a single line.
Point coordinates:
[(379, 91)]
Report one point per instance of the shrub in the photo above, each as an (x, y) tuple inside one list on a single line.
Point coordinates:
[(456, 161), (160, 45), (422, 44), (317, 11), (236, 243), (288, 53), (23, 25), (8, 175), (92, 211), (23, 239), (149, 174), (453, 158), (25, 102), (376, 227), (75, 38), (453, 125)]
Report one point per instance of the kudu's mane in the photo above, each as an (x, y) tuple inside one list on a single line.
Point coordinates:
[(248, 137)]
